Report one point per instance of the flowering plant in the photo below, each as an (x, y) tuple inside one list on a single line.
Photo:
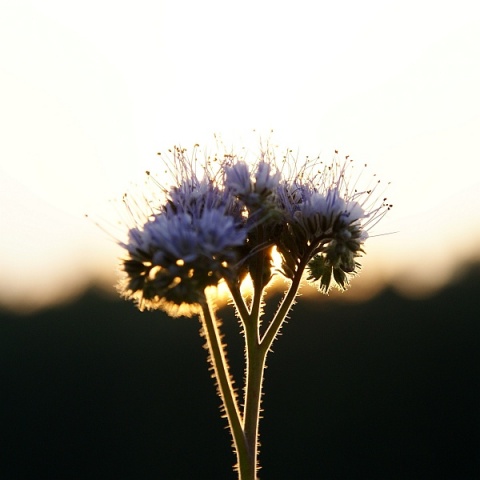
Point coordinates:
[(224, 220)]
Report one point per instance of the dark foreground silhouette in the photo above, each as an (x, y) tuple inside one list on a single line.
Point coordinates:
[(388, 389)]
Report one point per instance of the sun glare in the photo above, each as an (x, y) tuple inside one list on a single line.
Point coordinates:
[(90, 94)]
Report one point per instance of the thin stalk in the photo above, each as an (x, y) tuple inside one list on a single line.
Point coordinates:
[(276, 323), (239, 302), (254, 371), (256, 353), (258, 289), (253, 391), (226, 390), (255, 364)]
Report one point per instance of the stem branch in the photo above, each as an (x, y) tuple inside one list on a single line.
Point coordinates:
[(276, 323), (244, 427)]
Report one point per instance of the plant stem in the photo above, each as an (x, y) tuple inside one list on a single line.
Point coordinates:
[(239, 302), (282, 312), (255, 361), (256, 357), (253, 391), (225, 388), (254, 376), (244, 428)]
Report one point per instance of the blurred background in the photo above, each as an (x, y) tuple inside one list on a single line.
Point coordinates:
[(378, 382)]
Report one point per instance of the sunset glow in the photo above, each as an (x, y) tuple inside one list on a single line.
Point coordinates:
[(91, 91)]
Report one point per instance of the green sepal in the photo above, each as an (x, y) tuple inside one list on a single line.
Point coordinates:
[(340, 278), (320, 269)]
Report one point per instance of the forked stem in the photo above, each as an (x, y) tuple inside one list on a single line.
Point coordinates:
[(244, 428), (256, 353)]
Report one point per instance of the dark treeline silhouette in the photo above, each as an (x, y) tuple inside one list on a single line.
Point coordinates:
[(388, 389)]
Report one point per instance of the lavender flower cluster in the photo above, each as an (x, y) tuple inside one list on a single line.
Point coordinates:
[(224, 223)]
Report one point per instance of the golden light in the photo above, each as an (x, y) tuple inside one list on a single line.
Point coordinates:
[(90, 92)]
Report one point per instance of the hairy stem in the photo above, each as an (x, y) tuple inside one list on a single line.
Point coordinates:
[(239, 302), (225, 387), (253, 391), (256, 354), (282, 312), (254, 370)]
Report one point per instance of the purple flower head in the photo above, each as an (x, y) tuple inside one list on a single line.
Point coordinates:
[(191, 239), (174, 257), (326, 221), (254, 186), (221, 217)]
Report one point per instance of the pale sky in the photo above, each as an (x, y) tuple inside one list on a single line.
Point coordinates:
[(90, 91)]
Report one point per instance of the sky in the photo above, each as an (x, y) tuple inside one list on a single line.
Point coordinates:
[(90, 91)]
